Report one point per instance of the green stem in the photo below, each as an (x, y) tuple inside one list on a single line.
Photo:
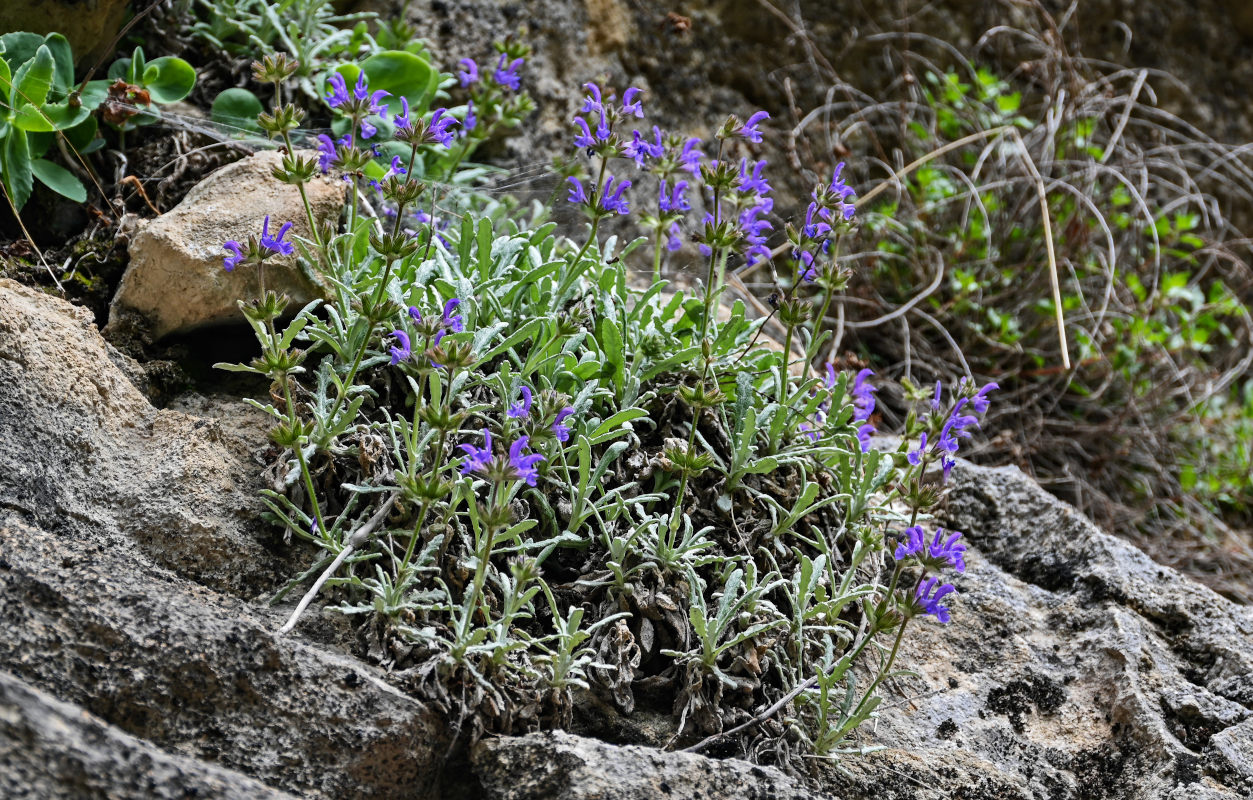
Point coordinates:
[(887, 667), (304, 197), (783, 367), (594, 200), (657, 257)]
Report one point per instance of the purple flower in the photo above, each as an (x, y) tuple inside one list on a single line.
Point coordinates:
[(812, 229), (611, 198), (630, 105), (749, 129), (524, 466), (955, 427), (939, 550), (478, 457), (639, 148), (276, 243), (232, 261), (915, 456), (469, 72), (753, 182), (439, 126), (806, 258), (585, 138), (690, 158), (935, 400), (402, 120), (948, 550), (522, 409), (402, 351), (339, 91), (863, 396), (562, 431), (508, 76), (592, 102), (415, 315), (929, 595), (674, 200), (453, 322), (843, 191), (673, 239), (471, 119), (577, 193), (326, 152), (863, 436), (377, 106), (980, 401), (914, 543)]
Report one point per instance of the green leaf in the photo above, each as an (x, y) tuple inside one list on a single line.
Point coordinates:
[(63, 61), (19, 47), (403, 75), (59, 179), (613, 426), (82, 137), (52, 117), (610, 341), (169, 79), (237, 108), (18, 179), (6, 79), (34, 79), (94, 93)]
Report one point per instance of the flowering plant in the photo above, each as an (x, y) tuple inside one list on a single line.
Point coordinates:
[(490, 436)]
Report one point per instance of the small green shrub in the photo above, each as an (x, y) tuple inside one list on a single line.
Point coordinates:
[(525, 476)]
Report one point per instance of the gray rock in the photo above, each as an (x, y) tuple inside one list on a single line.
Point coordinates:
[(1074, 668), (120, 528), (559, 766), (83, 453), (50, 749), (1234, 746), (175, 280)]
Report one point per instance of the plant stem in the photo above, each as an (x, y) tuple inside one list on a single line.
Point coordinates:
[(594, 200)]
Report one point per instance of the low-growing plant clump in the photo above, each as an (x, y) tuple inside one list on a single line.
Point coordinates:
[(527, 477)]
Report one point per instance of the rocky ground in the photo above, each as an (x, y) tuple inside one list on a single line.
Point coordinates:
[(137, 654)]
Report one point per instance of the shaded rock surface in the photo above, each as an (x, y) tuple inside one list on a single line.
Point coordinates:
[(559, 766), (176, 282), (1075, 667), (52, 749)]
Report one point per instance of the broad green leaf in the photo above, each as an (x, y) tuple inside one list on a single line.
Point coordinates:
[(94, 93), (82, 137), (610, 340), (34, 78), (6, 80), (63, 61), (59, 179), (18, 178), (237, 108), (52, 117), (169, 79), (403, 75), (32, 118), (20, 47)]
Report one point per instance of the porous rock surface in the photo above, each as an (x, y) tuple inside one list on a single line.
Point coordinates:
[(559, 766), (1075, 668), (49, 748), (176, 282)]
